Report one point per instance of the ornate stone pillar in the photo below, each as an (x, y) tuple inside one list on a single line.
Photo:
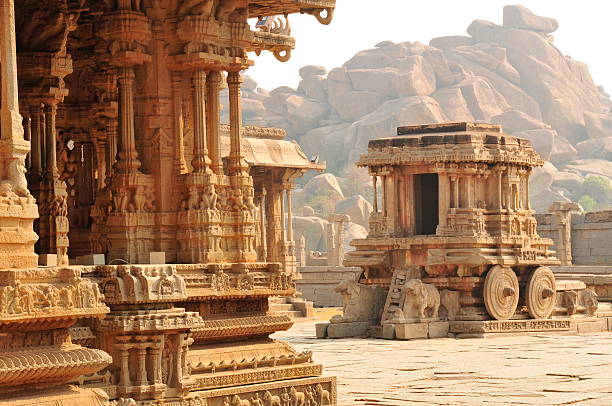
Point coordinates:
[(374, 184), (36, 140), (443, 202), (283, 217), (289, 215), (18, 209), (200, 161), (262, 225), (180, 166), (141, 372), (237, 165), (124, 361), (128, 161), (111, 148), (214, 143)]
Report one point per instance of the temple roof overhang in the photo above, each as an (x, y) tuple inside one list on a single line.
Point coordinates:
[(259, 8), (450, 142), (261, 147)]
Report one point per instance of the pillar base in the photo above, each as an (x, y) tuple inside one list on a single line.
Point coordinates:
[(17, 216)]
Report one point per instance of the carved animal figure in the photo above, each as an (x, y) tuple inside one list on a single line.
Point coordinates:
[(297, 398), (236, 401), (589, 301), (323, 395), (425, 298), (271, 400), (360, 302), (570, 301)]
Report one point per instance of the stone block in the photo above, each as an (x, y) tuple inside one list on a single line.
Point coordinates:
[(91, 259), (343, 330), (581, 252), (591, 326), (157, 258), (438, 329), (607, 251), (388, 331), (411, 331), (47, 260), (609, 320), (321, 330)]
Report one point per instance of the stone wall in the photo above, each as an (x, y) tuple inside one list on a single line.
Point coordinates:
[(318, 283), (591, 236)]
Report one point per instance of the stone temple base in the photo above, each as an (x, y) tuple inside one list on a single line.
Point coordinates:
[(67, 396), (343, 330), (475, 329), (288, 392)]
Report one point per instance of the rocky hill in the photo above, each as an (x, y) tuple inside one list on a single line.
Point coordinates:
[(511, 74)]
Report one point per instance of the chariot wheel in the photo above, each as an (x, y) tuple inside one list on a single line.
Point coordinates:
[(541, 293), (501, 292)]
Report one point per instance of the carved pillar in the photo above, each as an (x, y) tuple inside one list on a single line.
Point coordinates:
[(469, 191), (444, 202), (16, 217), (128, 156), (456, 191), (154, 356), (500, 197), (384, 195), (289, 215), (237, 165), (374, 184), (282, 213), (262, 225), (141, 372), (180, 166), (200, 161), (214, 143), (111, 148), (124, 362), (36, 140), (51, 141)]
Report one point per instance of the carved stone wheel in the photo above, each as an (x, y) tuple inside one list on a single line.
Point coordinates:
[(501, 292), (541, 293)]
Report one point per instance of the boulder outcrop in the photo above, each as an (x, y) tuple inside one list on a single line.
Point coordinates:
[(510, 74)]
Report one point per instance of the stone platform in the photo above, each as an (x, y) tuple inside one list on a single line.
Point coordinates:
[(597, 278), (531, 369)]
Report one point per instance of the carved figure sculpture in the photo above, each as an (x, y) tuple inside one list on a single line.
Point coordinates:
[(297, 398), (360, 302), (323, 395), (271, 400), (236, 401), (589, 301), (570, 301), (425, 298)]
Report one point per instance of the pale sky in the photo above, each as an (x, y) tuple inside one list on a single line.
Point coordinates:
[(585, 30)]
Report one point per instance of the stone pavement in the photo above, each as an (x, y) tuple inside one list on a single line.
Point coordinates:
[(543, 369)]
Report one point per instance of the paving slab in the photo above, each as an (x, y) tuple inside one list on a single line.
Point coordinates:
[(542, 369)]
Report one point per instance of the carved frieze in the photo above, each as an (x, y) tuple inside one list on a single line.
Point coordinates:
[(136, 284)]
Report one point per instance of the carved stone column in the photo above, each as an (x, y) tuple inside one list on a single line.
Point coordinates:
[(200, 161), (18, 209), (180, 166), (262, 226), (128, 161), (237, 164), (124, 364), (214, 143), (375, 189)]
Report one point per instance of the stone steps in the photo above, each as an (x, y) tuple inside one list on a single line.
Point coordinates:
[(289, 306), (277, 307)]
